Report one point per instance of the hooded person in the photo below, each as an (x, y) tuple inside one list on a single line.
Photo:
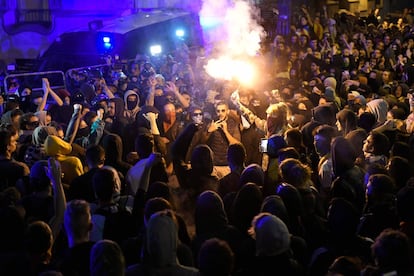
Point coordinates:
[(106, 259), (202, 168), (379, 108), (272, 248), (357, 138), (322, 114), (245, 206), (36, 151), (271, 234), (200, 176), (112, 144), (349, 178), (252, 173), (160, 249), (88, 91), (379, 212), (274, 205), (330, 91), (60, 149), (12, 117), (211, 222), (347, 121), (342, 240), (131, 100), (115, 121)]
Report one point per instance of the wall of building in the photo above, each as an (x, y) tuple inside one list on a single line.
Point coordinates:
[(66, 16)]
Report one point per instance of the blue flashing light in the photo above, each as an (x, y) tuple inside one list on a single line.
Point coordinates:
[(105, 42), (107, 45), (180, 33)]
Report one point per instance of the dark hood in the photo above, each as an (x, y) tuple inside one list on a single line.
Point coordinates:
[(357, 138), (161, 241), (202, 160), (348, 120), (252, 173), (343, 155), (210, 216), (324, 114), (274, 205), (112, 144), (246, 206)]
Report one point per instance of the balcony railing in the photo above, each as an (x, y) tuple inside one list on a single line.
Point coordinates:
[(43, 17)]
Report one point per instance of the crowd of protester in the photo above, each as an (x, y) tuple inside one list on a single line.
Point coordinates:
[(155, 168)]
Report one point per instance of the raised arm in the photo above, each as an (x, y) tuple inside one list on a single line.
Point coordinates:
[(52, 93), (74, 123), (170, 86), (105, 89), (45, 86), (151, 95), (231, 138), (59, 199)]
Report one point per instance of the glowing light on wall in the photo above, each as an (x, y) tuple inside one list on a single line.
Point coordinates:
[(155, 50)]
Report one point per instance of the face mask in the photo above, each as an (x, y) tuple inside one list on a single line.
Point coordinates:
[(197, 119), (131, 105)]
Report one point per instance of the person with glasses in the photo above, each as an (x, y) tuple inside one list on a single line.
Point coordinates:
[(221, 133), (197, 118), (28, 122)]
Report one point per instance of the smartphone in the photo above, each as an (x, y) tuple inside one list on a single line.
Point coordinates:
[(263, 145)]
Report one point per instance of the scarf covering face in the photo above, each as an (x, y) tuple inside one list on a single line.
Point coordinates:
[(131, 107)]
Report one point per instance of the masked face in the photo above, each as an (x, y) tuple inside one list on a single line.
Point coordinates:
[(132, 101), (197, 116)]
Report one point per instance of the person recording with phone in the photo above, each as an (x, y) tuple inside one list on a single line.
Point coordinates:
[(221, 133)]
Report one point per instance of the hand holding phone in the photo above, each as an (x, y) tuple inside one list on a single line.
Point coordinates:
[(263, 145)]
